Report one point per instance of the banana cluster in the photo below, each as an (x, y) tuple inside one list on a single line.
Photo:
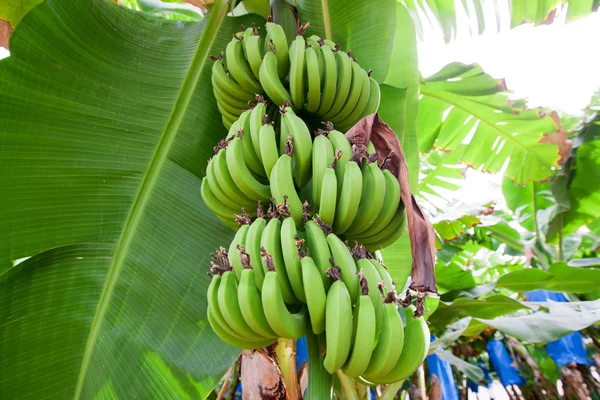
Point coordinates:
[(358, 198), (276, 281), (311, 74)]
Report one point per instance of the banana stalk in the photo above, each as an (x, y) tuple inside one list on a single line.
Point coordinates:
[(320, 382), (348, 388), (285, 350)]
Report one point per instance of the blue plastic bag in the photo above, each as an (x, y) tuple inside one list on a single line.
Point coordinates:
[(569, 348), (503, 364), (443, 371), (301, 352)]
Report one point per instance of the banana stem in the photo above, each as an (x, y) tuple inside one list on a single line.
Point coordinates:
[(348, 388), (390, 391), (285, 350), (320, 382)]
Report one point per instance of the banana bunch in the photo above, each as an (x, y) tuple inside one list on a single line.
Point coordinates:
[(311, 74)]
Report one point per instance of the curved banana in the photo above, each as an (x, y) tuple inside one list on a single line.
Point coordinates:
[(391, 203), (322, 157), (387, 235), (302, 146), (226, 181), (339, 141), (338, 326), (416, 346), (282, 187), (313, 74), (229, 307), (385, 276), (344, 81), (297, 72), (253, 47), (276, 34), (283, 322), (250, 157), (358, 96), (271, 82), (228, 84), (363, 337), (234, 251), (390, 344), (238, 66), (370, 107), (226, 114), (270, 251), (252, 247), (316, 42), (316, 298), (240, 173), (329, 79), (371, 199), (256, 122), (214, 204), (291, 257), (226, 122), (213, 308), (234, 105), (250, 303), (216, 188), (371, 147), (268, 148), (349, 199), (344, 260), (234, 341), (318, 248), (372, 277), (328, 200)]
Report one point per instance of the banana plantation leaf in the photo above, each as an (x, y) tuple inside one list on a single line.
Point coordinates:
[(584, 188), (559, 277), (445, 13), (454, 277), (451, 229), (472, 371), (450, 334), (530, 203), (543, 327), (331, 19), (442, 174), (585, 262), (505, 233), (107, 122), (398, 259), (14, 10), (462, 106)]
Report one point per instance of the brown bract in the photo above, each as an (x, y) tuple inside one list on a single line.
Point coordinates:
[(261, 376), (5, 31), (420, 231)]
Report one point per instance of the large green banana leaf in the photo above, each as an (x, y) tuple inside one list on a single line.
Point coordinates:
[(444, 14), (107, 120)]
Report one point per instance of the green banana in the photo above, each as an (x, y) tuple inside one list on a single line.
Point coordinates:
[(297, 72), (250, 157), (339, 141), (372, 277), (256, 122), (291, 257), (390, 344), (314, 80), (226, 122), (322, 157), (227, 83), (385, 276), (268, 147), (213, 307), (344, 260), (349, 199), (371, 148), (229, 306), (239, 68), (240, 173), (233, 341), (216, 188), (370, 108), (371, 199), (360, 80), (344, 81), (316, 298), (226, 114), (387, 235), (226, 181), (302, 146), (316, 42), (338, 326), (250, 303), (252, 246), (271, 82), (328, 200), (391, 203), (225, 97), (416, 346), (253, 47), (214, 204), (282, 321), (276, 35), (236, 244), (318, 248), (365, 94), (329, 78), (363, 336), (270, 244), (282, 187)]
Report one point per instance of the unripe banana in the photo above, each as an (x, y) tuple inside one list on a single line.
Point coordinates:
[(360, 80), (256, 120), (416, 346), (276, 34), (253, 49), (372, 277), (387, 235), (250, 303), (354, 115), (283, 322), (318, 248), (371, 199), (252, 247), (238, 242), (302, 146), (227, 83), (339, 141), (329, 79), (238, 66), (224, 97), (282, 187), (371, 147), (216, 188), (385, 276), (370, 108), (316, 298), (344, 260), (344, 81), (291, 257), (390, 344), (349, 199), (215, 205), (328, 200), (297, 72), (226, 181), (213, 308), (322, 157), (316, 42), (338, 326), (270, 80), (250, 157), (363, 336), (391, 203), (314, 80), (268, 148), (240, 173), (234, 341), (271, 245), (226, 114)]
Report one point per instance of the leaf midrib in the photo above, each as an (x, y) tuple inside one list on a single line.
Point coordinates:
[(326, 19), (212, 24), (494, 127)]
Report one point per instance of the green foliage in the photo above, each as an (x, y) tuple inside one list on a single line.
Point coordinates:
[(14, 10)]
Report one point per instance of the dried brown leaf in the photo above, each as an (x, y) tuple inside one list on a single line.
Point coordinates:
[(559, 138), (420, 230), (5, 31), (261, 376)]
